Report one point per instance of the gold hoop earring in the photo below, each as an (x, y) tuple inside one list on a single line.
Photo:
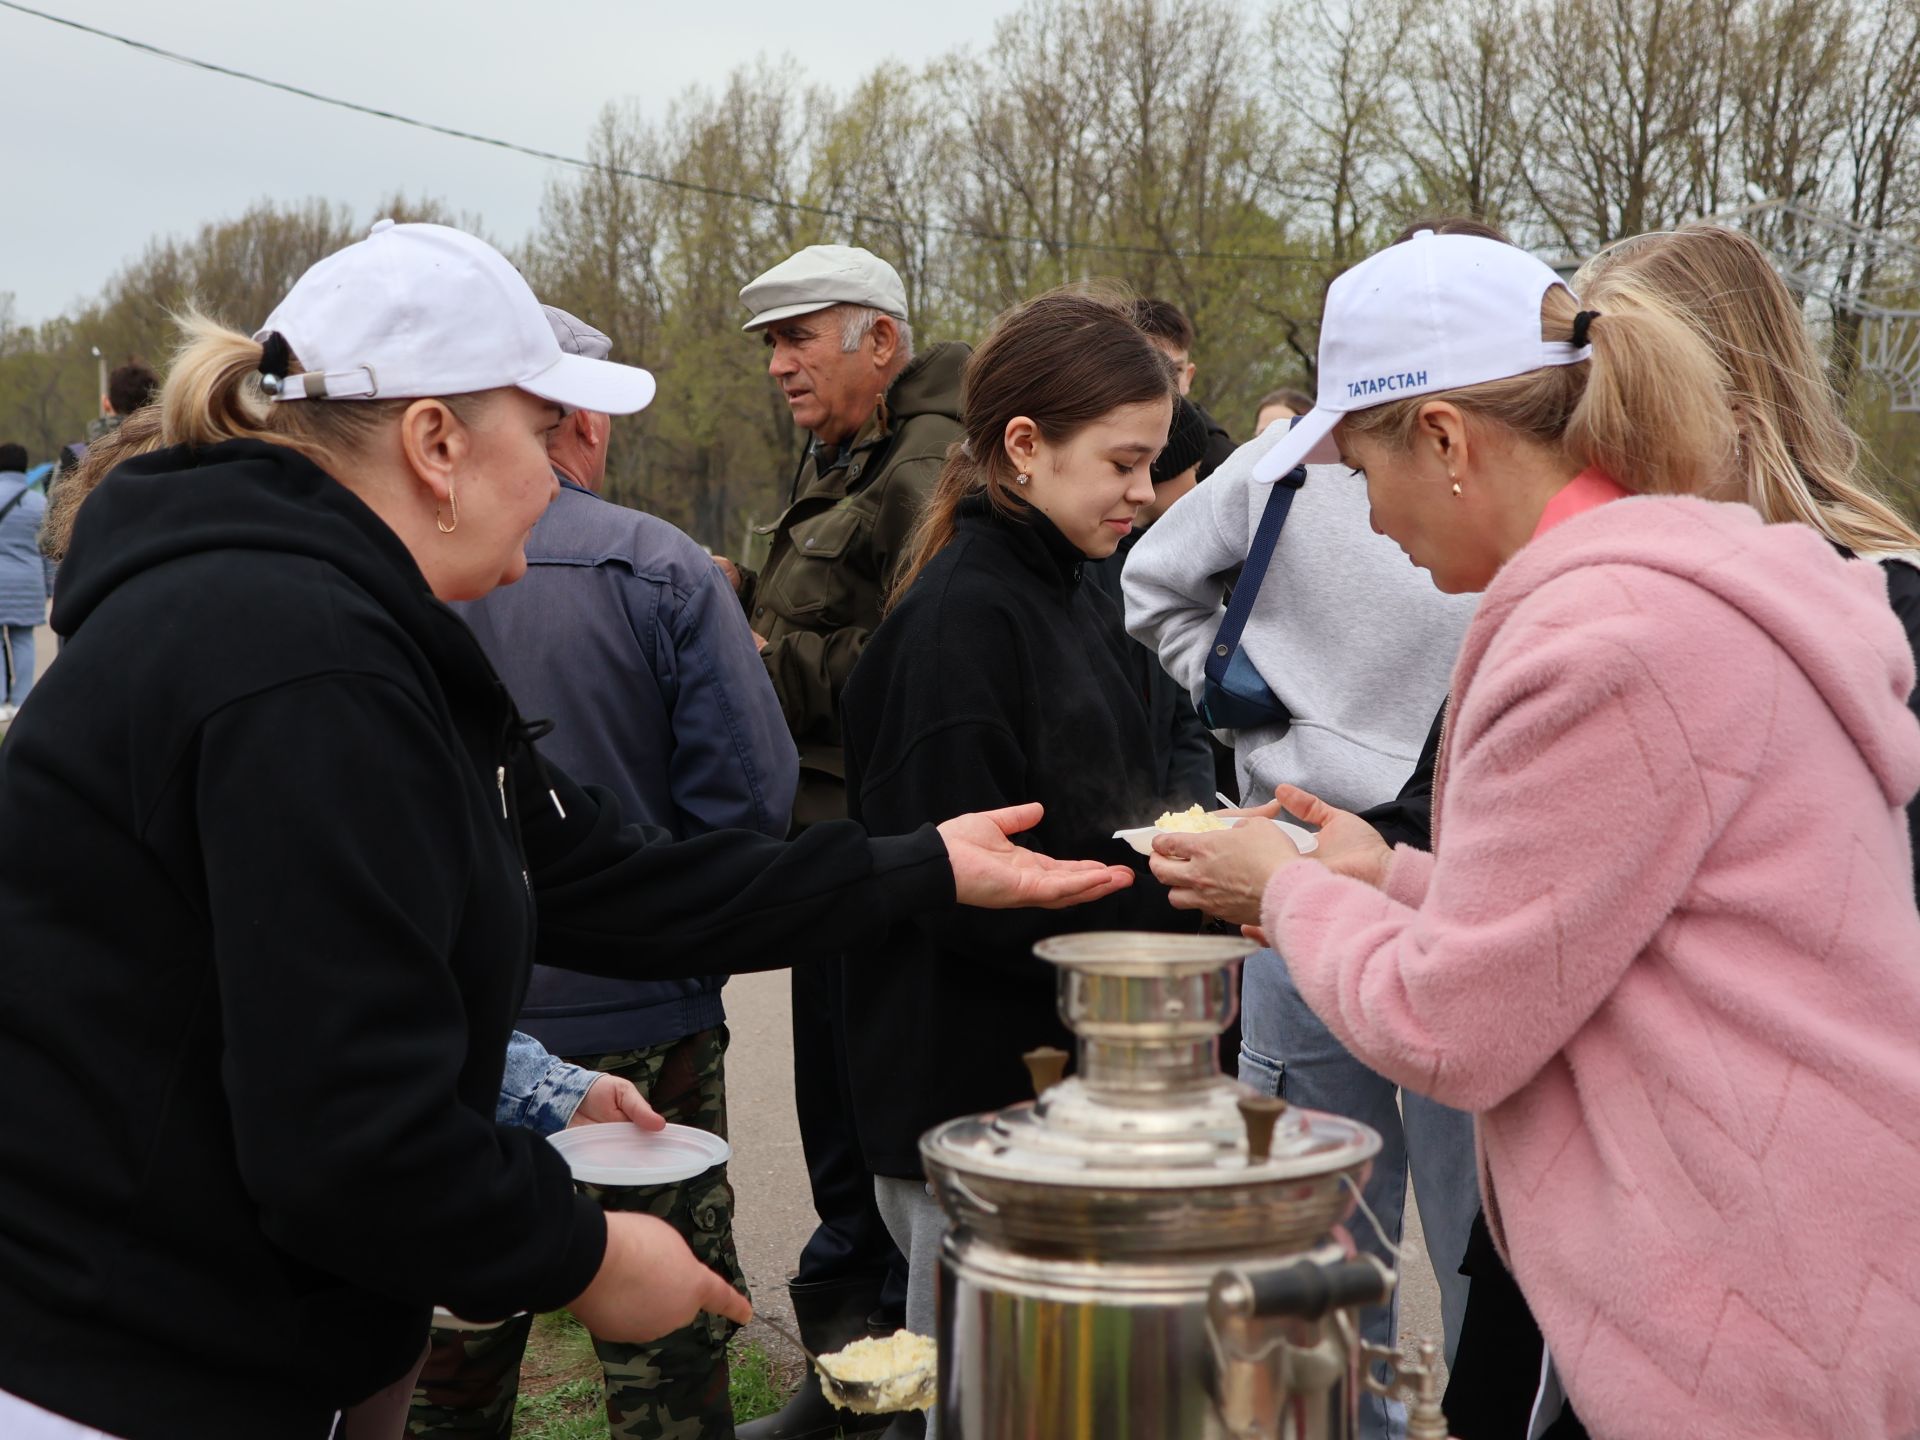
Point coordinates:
[(453, 503)]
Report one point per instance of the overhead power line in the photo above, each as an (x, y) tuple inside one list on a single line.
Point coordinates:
[(830, 212)]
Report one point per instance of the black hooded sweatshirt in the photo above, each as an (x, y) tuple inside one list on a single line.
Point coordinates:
[(276, 854)]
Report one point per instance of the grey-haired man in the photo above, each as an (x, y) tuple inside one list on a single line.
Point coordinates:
[(880, 418)]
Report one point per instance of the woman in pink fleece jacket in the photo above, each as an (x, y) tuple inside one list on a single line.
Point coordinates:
[(1668, 952)]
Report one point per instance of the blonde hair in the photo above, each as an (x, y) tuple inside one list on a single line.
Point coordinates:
[(1796, 456), (213, 393), (135, 435), (1648, 409)]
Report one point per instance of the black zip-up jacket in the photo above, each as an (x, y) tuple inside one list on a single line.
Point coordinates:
[(1000, 677), (276, 854)]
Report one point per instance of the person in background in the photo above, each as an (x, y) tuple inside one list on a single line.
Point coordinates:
[(1281, 404), (1663, 945), (1799, 460), (273, 831), (1183, 756), (879, 418), (129, 387), (1168, 327), (1358, 647), (139, 434), (625, 635), (1172, 333), (998, 669), (26, 578)]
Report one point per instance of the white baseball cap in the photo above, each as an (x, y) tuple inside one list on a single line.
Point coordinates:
[(418, 310), (1433, 313), (821, 276)]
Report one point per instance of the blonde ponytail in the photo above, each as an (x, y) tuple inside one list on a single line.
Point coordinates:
[(1654, 412), (213, 393), (1648, 409)]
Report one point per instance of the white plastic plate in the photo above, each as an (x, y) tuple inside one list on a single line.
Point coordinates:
[(618, 1153)]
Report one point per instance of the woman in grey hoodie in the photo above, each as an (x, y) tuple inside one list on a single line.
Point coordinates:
[(1359, 646)]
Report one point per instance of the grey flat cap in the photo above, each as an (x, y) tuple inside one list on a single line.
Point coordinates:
[(820, 276), (576, 337)]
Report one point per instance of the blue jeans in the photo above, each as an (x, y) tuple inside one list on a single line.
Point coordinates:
[(1286, 1050), (16, 666)]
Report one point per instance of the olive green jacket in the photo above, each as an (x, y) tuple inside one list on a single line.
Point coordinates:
[(834, 554)]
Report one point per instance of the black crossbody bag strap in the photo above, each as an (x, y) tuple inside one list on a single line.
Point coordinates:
[(1227, 639)]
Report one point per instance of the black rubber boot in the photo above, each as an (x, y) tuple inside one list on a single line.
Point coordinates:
[(828, 1316), (912, 1425)]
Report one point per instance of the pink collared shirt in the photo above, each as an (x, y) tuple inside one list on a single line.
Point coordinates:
[(1588, 490)]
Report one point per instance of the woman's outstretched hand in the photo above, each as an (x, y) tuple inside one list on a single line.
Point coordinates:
[(992, 872)]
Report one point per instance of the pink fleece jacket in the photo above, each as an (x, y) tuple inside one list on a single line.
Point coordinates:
[(1668, 954)]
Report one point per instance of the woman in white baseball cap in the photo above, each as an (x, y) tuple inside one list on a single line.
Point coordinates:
[(1663, 946), (276, 852)]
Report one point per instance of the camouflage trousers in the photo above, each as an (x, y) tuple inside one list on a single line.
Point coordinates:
[(674, 1388)]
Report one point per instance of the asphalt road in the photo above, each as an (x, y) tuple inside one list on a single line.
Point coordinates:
[(774, 1214)]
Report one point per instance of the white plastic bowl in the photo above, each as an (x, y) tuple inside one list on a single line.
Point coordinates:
[(1141, 837)]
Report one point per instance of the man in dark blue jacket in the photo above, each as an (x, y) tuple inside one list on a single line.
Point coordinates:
[(625, 635)]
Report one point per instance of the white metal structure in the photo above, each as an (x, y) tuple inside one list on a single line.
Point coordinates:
[(1853, 270)]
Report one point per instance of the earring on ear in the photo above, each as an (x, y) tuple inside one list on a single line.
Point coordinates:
[(453, 503), (1020, 479), (1456, 487)]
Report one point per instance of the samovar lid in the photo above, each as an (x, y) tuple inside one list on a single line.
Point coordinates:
[(1146, 955), (1019, 1145), (1147, 1108)]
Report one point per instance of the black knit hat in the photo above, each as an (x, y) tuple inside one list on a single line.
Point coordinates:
[(1186, 442)]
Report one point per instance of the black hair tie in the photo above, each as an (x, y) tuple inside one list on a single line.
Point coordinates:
[(276, 358), (1582, 323)]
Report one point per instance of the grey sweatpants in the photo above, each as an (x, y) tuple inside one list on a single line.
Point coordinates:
[(918, 1224)]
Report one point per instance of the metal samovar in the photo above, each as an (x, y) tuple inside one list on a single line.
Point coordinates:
[(1148, 1250)]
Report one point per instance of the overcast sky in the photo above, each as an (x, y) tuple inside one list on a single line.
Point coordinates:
[(106, 147)]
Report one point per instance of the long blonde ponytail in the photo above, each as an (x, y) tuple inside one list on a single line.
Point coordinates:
[(1653, 413)]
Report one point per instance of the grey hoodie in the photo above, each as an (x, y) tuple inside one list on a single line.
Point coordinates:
[(1351, 637)]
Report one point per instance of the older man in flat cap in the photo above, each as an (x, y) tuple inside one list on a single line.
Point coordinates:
[(623, 634), (880, 418)]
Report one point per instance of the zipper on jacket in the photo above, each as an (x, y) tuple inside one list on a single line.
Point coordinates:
[(1439, 766), (500, 779)]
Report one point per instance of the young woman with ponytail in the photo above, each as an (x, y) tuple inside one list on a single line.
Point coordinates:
[(1663, 945), (1796, 459), (276, 853), (1000, 670)]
